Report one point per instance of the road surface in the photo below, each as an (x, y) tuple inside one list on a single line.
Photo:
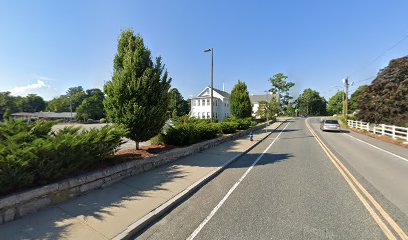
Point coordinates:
[(299, 183)]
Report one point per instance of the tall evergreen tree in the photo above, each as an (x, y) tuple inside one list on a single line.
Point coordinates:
[(240, 103), (138, 94), (177, 105)]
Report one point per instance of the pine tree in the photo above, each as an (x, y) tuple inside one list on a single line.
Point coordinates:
[(137, 97), (240, 103)]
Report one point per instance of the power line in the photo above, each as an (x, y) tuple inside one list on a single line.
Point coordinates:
[(382, 54), (389, 49)]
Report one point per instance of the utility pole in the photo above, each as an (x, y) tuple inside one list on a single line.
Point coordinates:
[(70, 106), (212, 81), (346, 86)]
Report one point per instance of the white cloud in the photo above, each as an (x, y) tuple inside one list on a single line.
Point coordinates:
[(40, 77), (23, 90)]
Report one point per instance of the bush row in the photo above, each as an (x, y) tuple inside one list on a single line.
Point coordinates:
[(31, 154), (192, 131)]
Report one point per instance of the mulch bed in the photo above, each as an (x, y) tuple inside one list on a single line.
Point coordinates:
[(126, 155)]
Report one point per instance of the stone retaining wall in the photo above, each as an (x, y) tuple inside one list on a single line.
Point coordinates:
[(17, 205)]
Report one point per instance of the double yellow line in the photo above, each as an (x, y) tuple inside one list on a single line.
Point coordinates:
[(366, 198)]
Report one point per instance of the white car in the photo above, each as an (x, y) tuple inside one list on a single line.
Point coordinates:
[(330, 125)]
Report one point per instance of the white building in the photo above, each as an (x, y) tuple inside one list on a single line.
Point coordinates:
[(200, 105), (256, 99)]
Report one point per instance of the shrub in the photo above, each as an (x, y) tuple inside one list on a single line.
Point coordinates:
[(242, 123), (228, 127), (102, 120), (35, 155), (186, 134), (157, 140)]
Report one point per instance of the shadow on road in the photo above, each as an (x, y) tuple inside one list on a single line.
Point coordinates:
[(96, 206)]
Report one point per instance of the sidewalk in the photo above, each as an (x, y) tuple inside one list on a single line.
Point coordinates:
[(106, 212)]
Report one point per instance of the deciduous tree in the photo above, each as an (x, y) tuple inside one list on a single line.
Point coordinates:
[(335, 105), (386, 99), (310, 102), (281, 87)]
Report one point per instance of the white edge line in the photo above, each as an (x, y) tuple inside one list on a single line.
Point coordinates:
[(393, 154), (135, 227), (200, 227)]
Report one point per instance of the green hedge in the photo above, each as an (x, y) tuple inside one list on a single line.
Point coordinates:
[(196, 130), (186, 134), (228, 127), (242, 123), (31, 155)]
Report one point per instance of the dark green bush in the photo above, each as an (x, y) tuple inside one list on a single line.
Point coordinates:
[(30, 154), (186, 134), (228, 127), (242, 123)]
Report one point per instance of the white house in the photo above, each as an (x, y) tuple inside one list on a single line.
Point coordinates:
[(200, 105), (256, 99)]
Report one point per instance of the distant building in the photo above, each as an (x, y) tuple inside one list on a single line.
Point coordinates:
[(256, 99), (65, 116), (200, 105)]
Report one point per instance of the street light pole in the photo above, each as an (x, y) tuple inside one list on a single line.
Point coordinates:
[(266, 105), (212, 80)]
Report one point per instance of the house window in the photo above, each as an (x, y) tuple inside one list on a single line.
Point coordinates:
[(194, 102), (216, 102), (216, 115), (198, 102), (203, 114), (208, 115), (208, 102), (203, 102)]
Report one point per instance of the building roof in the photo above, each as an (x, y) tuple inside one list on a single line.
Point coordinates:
[(222, 93), (206, 90), (260, 98), (58, 115)]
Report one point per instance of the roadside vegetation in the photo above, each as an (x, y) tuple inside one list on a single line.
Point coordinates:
[(31, 154), (196, 130)]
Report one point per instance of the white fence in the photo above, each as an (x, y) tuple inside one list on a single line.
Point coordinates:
[(382, 129)]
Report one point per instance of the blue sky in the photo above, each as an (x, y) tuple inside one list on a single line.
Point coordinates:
[(48, 46)]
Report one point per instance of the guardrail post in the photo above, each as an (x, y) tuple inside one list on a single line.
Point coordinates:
[(368, 126), (382, 129), (407, 134), (393, 131)]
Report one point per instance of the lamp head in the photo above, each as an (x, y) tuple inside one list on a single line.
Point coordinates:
[(207, 50)]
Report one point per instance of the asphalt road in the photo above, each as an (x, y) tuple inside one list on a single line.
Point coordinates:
[(293, 191)]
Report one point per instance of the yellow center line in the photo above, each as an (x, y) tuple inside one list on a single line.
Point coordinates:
[(350, 179)]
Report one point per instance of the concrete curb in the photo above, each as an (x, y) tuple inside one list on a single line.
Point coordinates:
[(170, 204)]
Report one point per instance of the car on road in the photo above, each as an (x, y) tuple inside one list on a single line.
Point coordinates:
[(330, 125)]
